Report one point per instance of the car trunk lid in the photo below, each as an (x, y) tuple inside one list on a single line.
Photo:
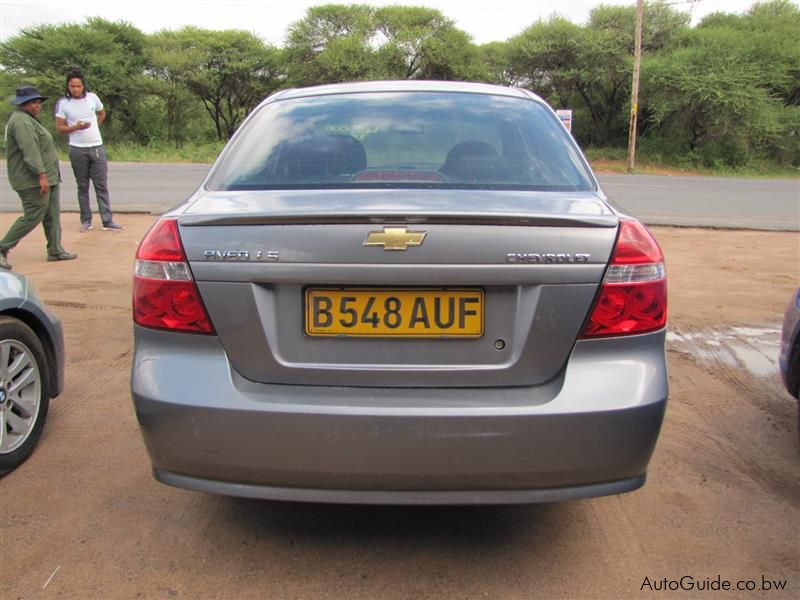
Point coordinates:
[(529, 263)]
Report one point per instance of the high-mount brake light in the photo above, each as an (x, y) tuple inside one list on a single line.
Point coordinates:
[(633, 296), (165, 295)]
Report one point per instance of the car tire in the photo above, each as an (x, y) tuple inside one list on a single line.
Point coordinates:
[(24, 392)]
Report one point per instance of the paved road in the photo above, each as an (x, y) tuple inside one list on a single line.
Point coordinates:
[(708, 201), (771, 204), (135, 187)]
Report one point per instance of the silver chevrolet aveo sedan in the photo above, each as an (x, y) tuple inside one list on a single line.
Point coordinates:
[(400, 293)]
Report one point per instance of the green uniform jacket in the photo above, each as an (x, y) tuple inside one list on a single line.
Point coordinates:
[(29, 151)]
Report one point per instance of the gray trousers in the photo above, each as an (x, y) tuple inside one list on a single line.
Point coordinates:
[(91, 164)]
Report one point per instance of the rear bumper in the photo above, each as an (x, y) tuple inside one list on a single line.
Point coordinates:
[(590, 432), (449, 497)]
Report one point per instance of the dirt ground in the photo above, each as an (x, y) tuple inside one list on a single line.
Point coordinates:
[(83, 518)]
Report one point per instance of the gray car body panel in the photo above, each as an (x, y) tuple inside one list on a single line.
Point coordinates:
[(19, 297), (394, 497), (399, 205), (257, 306), (594, 424)]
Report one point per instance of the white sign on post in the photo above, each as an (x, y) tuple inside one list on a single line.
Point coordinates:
[(565, 114)]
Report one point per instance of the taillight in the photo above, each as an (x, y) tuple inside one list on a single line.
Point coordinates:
[(633, 296), (165, 295)]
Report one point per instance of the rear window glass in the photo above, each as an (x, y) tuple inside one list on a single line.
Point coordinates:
[(418, 139)]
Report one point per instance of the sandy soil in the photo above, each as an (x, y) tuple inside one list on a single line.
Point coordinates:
[(84, 518)]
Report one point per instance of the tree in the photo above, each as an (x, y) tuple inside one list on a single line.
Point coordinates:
[(589, 68), (168, 69), (705, 98), (110, 54), (421, 43), (330, 44), (336, 42), (660, 24), (499, 69), (610, 37), (229, 71), (575, 67), (728, 90), (547, 56), (769, 39)]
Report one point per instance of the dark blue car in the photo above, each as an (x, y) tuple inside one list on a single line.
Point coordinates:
[(789, 359)]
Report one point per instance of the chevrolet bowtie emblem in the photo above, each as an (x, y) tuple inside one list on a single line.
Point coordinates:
[(395, 238)]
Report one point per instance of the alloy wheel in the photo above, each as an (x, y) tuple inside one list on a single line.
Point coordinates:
[(20, 394)]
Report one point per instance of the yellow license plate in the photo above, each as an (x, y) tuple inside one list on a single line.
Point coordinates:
[(363, 312)]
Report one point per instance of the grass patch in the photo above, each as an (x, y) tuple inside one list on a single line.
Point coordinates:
[(167, 153), (192, 153), (606, 154), (615, 160)]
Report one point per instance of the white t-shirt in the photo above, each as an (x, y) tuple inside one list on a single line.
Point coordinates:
[(83, 109)]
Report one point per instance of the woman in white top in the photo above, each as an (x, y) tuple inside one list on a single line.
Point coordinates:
[(79, 114)]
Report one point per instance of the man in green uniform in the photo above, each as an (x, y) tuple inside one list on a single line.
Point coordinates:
[(33, 173)]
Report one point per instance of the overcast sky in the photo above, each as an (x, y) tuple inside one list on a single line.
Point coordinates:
[(485, 21)]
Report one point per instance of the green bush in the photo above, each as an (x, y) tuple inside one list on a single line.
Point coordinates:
[(165, 152)]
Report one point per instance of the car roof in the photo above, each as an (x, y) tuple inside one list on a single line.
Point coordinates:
[(404, 86)]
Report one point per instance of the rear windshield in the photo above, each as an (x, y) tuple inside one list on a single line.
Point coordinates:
[(418, 139)]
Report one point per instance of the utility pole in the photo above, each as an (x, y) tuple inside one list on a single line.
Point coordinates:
[(637, 60)]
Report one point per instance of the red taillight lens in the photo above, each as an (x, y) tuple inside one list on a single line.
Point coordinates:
[(633, 298), (162, 242), (635, 245), (165, 295)]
